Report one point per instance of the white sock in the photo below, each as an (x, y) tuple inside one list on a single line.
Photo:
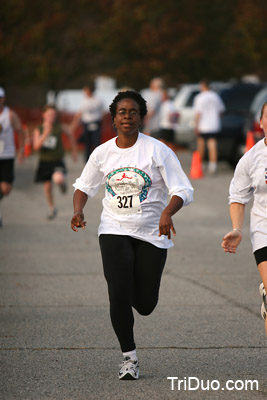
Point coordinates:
[(131, 354), (212, 166)]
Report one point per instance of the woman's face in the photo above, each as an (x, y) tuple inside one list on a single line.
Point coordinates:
[(263, 120), (50, 115), (127, 119)]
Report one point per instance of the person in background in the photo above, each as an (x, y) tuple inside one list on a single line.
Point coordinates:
[(208, 108), (9, 124), (47, 139), (250, 181), (168, 118), (153, 98), (90, 115), (139, 173)]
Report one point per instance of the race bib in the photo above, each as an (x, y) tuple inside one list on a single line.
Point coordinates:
[(129, 187), (126, 204), (50, 142)]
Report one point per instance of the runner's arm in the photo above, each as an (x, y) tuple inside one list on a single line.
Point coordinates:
[(79, 201), (165, 223), (39, 138), (17, 126), (232, 239)]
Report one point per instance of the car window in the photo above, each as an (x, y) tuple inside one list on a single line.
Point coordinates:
[(190, 99), (239, 98)]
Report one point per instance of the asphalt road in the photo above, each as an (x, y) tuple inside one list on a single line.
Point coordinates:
[(56, 337)]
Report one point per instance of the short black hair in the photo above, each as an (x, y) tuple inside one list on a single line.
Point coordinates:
[(128, 94)]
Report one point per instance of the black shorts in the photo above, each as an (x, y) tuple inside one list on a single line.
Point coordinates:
[(211, 135), (7, 170), (260, 255), (167, 135), (46, 169)]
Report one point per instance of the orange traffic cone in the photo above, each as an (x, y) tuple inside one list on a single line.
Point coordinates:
[(250, 140), (28, 142), (27, 149), (196, 171)]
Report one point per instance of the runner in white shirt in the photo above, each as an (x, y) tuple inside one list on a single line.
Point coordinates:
[(140, 173), (250, 180), (168, 118), (153, 98), (9, 123), (90, 115), (208, 108)]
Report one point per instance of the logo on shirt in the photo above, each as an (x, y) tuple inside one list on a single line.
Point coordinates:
[(266, 176), (128, 181)]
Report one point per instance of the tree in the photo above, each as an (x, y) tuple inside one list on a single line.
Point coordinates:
[(62, 44)]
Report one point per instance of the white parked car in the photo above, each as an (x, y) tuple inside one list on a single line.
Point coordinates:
[(70, 100), (183, 103)]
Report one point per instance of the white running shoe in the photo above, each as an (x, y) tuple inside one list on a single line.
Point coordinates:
[(52, 214), (264, 305), (129, 369)]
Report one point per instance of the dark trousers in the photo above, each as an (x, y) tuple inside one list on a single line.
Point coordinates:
[(90, 137), (133, 270)]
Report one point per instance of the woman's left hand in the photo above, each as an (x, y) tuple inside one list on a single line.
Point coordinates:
[(231, 240), (166, 225), (78, 221)]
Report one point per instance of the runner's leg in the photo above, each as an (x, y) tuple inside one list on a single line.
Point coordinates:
[(49, 194), (149, 264), (262, 267), (118, 263)]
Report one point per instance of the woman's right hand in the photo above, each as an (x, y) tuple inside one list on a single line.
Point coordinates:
[(231, 240), (47, 128), (77, 221)]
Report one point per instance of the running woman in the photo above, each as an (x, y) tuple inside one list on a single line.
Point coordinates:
[(47, 139), (139, 172), (250, 181)]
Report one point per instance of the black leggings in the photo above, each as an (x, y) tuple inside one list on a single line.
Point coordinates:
[(133, 270), (260, 255)]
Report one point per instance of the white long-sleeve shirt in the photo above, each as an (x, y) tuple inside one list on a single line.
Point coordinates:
[(138, 181), (250, 180)]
